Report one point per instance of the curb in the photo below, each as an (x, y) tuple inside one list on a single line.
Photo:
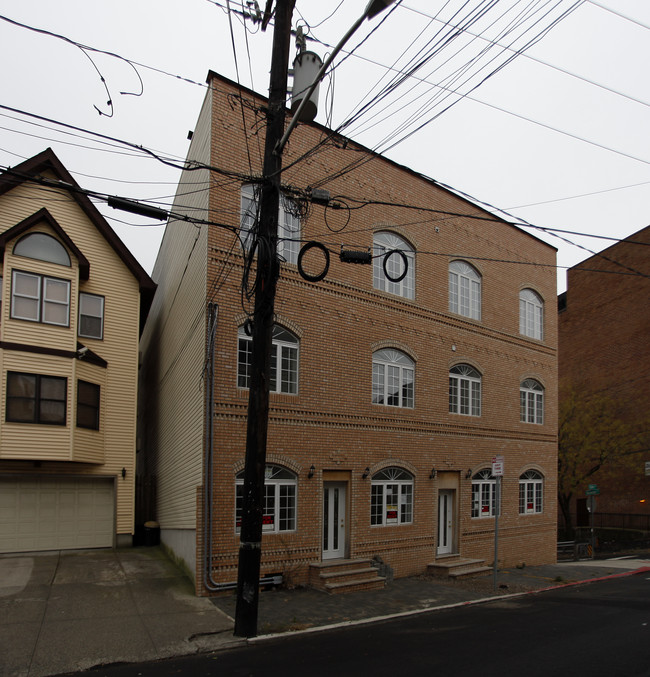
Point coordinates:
[(416, 612)]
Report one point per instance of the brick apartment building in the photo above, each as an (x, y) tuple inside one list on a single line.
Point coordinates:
[(604, 325), (390, 398)]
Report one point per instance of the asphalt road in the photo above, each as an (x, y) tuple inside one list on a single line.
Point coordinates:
[(597, 629)]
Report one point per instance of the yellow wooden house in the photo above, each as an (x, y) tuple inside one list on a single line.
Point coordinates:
[(74, 300)]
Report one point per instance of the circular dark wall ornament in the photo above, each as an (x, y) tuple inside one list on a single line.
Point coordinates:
[(314, 245), (399, 278)]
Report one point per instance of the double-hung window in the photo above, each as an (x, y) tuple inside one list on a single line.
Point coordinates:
[(531, 314), (464, 390), (393, 375), (531, 400), (391, 498), (531, 491), (88, 405), (91, 316), (280, 504), (284, 361), (39, 298), (36, 398), (288, 223), (464, 290), (386, 270), (483, 494)]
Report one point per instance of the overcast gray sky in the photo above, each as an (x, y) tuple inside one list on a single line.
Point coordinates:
[(558, 136)]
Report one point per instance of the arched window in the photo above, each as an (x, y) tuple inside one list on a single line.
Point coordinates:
[(531, 314), (531, 492), (42, 247), (280, 506), (393, 374), (464, 390), (288, 223), (464, 290), (531, 399), (384, 242), (391, 499), (483, 494), (284, 361)]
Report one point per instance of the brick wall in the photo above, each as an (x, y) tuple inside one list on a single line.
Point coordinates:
[(332, 423)]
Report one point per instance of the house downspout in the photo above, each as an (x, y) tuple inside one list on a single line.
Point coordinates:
[(208, 480)]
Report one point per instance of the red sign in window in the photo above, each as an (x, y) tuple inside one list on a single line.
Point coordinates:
[(267, 519)]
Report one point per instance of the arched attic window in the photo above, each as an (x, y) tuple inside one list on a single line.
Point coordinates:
[(42, 247)]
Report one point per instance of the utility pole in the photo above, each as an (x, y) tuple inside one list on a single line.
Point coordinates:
[(268, 269)]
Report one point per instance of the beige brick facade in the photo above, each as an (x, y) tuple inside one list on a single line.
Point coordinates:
[(332, 423)]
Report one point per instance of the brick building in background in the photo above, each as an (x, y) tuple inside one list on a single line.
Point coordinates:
[(390, 398), (604, 349)]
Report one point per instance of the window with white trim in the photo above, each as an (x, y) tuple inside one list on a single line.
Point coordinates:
[(91, 316), (39, 298), (391, 497), (288, 223), (464, 290), (483, 494), (531, 314), (393, 374), (280, 503), (464, 390), (284, 361), (384, 242), (531, 400), (531, 492)]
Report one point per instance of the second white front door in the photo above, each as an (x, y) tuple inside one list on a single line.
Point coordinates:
[(445, 521), (334, 516)]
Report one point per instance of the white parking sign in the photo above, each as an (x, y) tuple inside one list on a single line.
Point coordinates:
[(497, 466)]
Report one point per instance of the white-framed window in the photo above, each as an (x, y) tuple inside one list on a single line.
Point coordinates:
[(464, 290), (39, 298), (531, 493), (384, 242), (464, 390), (42, 247), (531, 314), (393, 375), (483, 494), (91, 316), (288, 223), (284, 361), (391, 498), (531, 400), (280, 502)]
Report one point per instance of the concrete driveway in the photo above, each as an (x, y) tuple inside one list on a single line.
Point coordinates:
[(70, 610)]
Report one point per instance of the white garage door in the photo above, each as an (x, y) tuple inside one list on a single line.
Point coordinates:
[(48, 513)]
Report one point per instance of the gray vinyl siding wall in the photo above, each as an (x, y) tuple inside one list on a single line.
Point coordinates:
[(173, 349)]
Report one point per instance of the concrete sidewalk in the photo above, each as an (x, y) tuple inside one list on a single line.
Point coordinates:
[(67, 611), (306, 609), (70, 610)]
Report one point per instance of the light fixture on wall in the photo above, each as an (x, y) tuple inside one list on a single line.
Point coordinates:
[(468, 474), (366, 472), (433, 473), (123, 473), (310, 474)]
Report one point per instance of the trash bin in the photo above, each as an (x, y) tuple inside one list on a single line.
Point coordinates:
[(151, 533)]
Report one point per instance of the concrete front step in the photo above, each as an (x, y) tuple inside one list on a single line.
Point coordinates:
[(458, 567), (340, 576)]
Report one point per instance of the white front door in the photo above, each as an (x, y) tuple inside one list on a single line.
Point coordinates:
[(334, 515), (445, 521)]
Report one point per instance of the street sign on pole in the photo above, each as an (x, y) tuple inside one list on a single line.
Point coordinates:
[(497, 466), (592, 490), (591, 504)]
